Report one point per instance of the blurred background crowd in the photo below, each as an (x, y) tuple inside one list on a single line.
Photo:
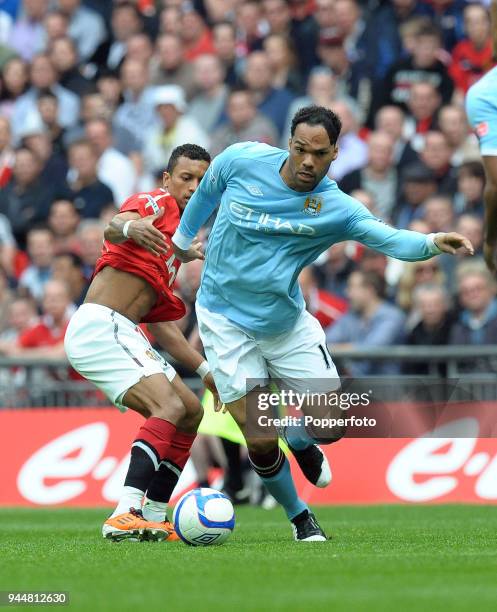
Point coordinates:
[(95, 94)]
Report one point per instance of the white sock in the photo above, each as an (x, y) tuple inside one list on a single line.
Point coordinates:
[(131, 498), (154, 510)]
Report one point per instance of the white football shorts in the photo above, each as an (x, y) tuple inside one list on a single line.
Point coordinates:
[(111, 351), (295, 356)]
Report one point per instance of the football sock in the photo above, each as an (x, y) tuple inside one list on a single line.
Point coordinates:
[(153, 442), (166, 477), (297, 437), (154, 511), (274, 470), (234, 470), (130, 498)]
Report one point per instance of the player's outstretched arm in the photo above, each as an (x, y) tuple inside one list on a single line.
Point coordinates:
[(171, 339), (403, 244), (131, 226)]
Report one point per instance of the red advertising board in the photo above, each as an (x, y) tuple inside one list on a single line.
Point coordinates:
[(79, 457)]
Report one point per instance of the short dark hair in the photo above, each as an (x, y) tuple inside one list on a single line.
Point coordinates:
[(190, 151), (318, 115), (374, 281), (473, 169)]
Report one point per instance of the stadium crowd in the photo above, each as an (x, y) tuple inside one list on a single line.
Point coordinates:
[(94, 96)]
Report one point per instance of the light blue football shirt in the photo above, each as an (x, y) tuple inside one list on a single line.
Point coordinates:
[(481, 108), (265, 233)]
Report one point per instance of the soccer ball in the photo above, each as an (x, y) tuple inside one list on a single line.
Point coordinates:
[(203, 517)]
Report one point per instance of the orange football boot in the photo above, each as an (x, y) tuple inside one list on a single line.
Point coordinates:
[(173, 536), (132, 526)]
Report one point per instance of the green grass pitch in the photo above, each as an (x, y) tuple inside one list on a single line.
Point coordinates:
[(380, 558)]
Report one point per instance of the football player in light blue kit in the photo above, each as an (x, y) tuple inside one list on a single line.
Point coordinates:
[(278, 212), (481, 108)]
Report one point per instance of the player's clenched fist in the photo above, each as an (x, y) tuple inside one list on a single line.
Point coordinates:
[(194, 252)]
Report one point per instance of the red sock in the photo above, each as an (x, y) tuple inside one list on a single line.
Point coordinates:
[(180, 448)]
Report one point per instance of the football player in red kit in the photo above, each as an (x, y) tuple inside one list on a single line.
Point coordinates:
[(132, 284)]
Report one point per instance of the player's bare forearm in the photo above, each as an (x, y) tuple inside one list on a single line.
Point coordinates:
[(114, 231), (171, 339)]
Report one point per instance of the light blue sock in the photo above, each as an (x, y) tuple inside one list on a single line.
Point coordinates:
[(297, 437), (282, 488)]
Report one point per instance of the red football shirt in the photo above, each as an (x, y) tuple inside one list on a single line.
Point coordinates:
[(159, 272)]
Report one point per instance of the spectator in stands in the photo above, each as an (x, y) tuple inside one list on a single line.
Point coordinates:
[(175, 128), (224, 40), (48, 109), (26, 198), (384, 49), (274, 103), (418, 273), (438, 213), (423, 65), (471, 226), (91, 237), (27, 33), (14, 82), (64, 57), (207, 105), (126, 21), (169, 66), (390, 119), (56, 24), (244, 123), (140, 48), (41, 251), (472, 56), (86, 27), (322, 90), (63, 221), (418, 183), (35, 136), (169, 18), (447, 15), (7, 155), (90, 195), (470, 186), (334, 269), (67, 267), (423, 104), (248, 24), (352, 76), (197, 38), (454, 125), (113, 168), (434, 321), (436, 154), (353, 150), (21, 315), (6, 298), (42, 77), (283, 63), (379, 176), (477, 322), (326, 307), (45, 340), (137, 113), (283, 19), (371, 321)]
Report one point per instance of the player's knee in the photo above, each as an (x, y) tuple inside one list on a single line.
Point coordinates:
[(194, 413), (261, 446), (171, 408)]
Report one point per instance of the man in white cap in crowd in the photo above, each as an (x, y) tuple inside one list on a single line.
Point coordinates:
[(174, 128)]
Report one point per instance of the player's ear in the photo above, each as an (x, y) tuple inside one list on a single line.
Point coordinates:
[(335, 153), (290, 142), (165, 178)]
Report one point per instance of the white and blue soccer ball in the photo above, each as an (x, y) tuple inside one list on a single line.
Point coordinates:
[(203, 517)]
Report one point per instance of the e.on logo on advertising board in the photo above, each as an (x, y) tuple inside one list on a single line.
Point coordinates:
[(79, 457)]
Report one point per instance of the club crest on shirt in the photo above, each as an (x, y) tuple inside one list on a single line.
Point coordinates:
[(149, 353), (312, 205)]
